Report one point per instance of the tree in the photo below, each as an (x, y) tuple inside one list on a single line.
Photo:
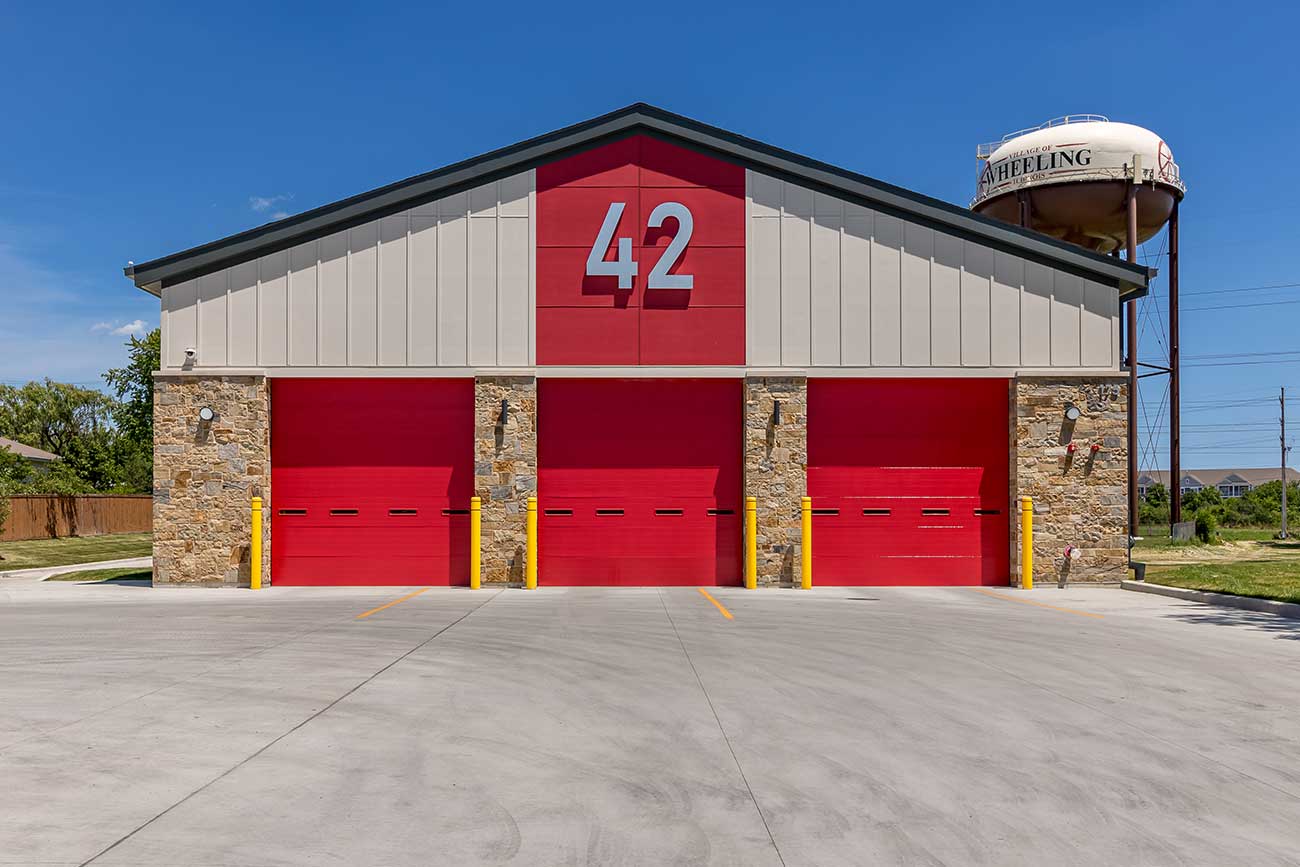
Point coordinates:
[(14, 473), (1154, 508), (53, 415), (1205, 498), (133, 386), (1261, 506), (1157, 496), (106, 444)]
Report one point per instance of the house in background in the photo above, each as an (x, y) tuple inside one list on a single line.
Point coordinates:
[(38, 458), (1231, 483)]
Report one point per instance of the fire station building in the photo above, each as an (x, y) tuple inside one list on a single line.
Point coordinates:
[(640, 320)]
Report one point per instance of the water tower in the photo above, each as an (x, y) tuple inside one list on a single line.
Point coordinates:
[(1105, 186)]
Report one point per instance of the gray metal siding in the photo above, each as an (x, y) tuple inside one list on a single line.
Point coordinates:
[(445, 284), (835, 284)]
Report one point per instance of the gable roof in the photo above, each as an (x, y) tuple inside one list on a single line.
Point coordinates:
[(637, 118), (25, 451), (1252, 476)]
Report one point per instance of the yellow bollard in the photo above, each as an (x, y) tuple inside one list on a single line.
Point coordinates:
[(475, 542), (255, 548), (751, 543), (530, 565), (805, 545), (1026, 543)]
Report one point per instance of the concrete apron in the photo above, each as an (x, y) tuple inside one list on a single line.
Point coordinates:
[(891, 725)]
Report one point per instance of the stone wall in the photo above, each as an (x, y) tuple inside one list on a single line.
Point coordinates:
[(776, 460), (205, 476), (505, 470), (1079, 499)]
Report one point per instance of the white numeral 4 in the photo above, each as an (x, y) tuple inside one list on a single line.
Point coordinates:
[(624, 267)]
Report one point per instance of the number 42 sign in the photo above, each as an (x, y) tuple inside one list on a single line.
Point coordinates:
[(624, 267)]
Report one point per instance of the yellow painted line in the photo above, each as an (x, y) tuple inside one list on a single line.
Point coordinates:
[(1039, 604), (390, 604), (709, 596)]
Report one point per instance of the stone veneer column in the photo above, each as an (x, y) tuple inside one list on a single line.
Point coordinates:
[(776, 463), (505, 470), (1079, 500), (205, 476)]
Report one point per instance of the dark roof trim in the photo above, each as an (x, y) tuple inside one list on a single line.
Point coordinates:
[(1130, 278)]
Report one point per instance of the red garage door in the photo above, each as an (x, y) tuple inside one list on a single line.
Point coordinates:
[(371, 481), (639, 482), (909, 481)]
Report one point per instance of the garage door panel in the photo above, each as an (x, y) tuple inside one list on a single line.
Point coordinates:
[(607, 482), (371, 481), (918, 481), (909, 481), (364, 569)]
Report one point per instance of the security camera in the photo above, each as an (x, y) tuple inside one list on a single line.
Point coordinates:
[(190, 353)]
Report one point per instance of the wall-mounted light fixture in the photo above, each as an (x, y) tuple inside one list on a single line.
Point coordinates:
[(776, 412), (505, 410), (1071, 412), (206, 414)]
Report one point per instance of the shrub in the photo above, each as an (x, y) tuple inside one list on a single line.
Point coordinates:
[(1207, 526)]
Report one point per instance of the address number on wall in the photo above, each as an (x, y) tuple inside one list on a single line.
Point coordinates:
[(624, 267)]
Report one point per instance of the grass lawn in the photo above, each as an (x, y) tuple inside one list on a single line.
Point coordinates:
[(1246, 534), (1158, 537), (105, 575), (1269, 579), (66, 552)]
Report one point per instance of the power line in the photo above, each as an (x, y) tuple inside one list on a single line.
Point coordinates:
[(1228, 426), (1242, 289), (1246, 354), (1240, 306), (1244, 363)]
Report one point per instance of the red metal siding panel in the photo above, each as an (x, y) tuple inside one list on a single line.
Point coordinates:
[(704, 335), (664, 164), (909, 481), (371, 481), (573, 196), (572, 216), (718, 215), (611, 165), (587, 335), (562, 282), (719, 281), (639, 482)]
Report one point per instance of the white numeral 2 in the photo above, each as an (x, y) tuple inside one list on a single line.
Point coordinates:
[(659, 277), (624, 267)]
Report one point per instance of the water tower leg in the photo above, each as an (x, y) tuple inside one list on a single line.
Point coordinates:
[(1175, 381), (1132, 324)]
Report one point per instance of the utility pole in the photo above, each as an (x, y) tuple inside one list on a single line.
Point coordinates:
[(1175, 381), (1282, 401), (1132, 327)]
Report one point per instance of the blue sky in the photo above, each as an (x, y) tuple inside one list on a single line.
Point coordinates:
[(135, 130)]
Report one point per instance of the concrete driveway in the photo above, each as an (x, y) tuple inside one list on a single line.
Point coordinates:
[(867, 726)]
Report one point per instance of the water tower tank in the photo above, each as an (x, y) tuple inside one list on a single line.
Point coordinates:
[(1074, 171)]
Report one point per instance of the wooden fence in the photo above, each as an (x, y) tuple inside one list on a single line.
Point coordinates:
[(44, 516)]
